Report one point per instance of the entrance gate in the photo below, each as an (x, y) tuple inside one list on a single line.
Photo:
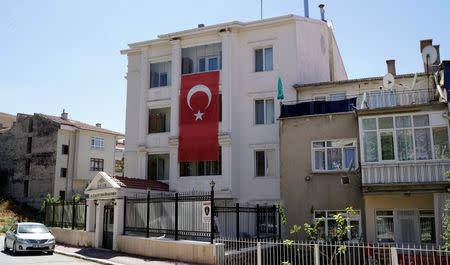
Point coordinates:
[(108, 224)]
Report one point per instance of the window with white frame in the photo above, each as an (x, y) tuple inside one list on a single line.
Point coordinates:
[(264, 111), (264, 59), (208, 64), (332, 155), (403, 138), (265, 163), (160, 74), (202, 58), (327, 227), (97, 142), (385, 225), (338, 96)]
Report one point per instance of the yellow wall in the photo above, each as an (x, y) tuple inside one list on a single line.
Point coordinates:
[(391, 201)]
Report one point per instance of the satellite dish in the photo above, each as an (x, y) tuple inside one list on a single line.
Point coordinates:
[(388, 81), (429, 55)]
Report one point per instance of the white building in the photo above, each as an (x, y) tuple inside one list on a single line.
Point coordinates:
[(251, 57)]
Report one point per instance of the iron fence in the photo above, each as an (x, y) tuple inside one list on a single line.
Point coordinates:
[(180, 216), (66, 214), (259, 252)]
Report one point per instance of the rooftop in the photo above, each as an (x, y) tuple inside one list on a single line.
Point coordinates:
[(143, 184)]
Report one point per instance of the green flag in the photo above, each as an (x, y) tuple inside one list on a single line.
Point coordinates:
[(280, 90)]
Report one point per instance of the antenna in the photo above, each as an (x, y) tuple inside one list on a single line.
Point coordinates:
[(429, 56), (388, 81)]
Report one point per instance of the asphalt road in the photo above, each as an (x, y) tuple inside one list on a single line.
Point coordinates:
[(37, 258)]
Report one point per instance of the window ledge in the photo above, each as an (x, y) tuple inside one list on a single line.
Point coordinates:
[(98, 148)]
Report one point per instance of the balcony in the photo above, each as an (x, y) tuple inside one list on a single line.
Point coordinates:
[(314, 107), (393, 98), (406, 173)]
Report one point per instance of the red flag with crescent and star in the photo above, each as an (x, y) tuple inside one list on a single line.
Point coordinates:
[(199, 117)]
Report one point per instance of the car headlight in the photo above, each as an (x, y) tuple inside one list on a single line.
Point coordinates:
[(22, 241), (51, 241)]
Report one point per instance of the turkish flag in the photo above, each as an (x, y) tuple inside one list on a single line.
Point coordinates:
[(199, 117)]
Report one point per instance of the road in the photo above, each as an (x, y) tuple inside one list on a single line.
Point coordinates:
[(37, 258)]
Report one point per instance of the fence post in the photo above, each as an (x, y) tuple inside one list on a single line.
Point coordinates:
[(53, 214), (176, 216), (316, 254), (237, 221), (73, 213), (148, 214), (212, 212), (85, 214), (124, 214), (394, 256), (258, 253), (257, 221), (62, 214), (274, 221)]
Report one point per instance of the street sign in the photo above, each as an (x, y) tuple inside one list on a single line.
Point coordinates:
[(206, 212)]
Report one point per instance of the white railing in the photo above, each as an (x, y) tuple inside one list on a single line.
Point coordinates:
[(267, 252), (411, 172), (393, 98)]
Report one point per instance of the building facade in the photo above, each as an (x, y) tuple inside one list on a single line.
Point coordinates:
[(400, 132), (44, 154), (250, 57)]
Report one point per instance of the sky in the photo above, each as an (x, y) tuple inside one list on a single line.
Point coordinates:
[(59, 55)]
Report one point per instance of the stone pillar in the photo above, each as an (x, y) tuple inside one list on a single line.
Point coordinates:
[(100, 212), (175, 90), (118, 221), (90, 215), (226, 79)]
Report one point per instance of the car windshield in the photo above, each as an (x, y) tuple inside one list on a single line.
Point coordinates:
[(32, 228)]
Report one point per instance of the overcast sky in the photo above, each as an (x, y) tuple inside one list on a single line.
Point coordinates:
[(65, 54)]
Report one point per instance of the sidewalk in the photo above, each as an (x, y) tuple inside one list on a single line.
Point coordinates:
[(104, 256)]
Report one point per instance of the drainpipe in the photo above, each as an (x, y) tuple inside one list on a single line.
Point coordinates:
[(306, 7)]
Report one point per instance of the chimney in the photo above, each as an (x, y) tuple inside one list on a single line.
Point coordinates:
[(64, 115), (200, 25), (306, 7), (391, 67), (99, 125), (425, 43), (322, 12)]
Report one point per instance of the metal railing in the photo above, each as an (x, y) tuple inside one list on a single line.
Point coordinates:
[(180, 216), (393, 98), (66, 214), (405, 172), (259, 252)]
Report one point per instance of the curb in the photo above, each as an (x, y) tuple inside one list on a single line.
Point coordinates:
[(74, 255)]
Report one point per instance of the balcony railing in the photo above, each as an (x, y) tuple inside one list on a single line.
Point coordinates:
[(405, 173), (393, 98)]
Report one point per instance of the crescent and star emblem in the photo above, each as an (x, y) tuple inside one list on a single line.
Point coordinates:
[(192, 91)]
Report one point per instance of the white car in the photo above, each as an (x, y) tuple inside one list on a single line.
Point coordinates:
[(23, 237)]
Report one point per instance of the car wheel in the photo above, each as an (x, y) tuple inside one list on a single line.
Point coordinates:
[(50, 252), (14, 248)]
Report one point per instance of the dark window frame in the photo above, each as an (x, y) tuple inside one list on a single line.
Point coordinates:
[(65, 149), (26, 186), (97, 164), (63, 172), (202, 168), (29, 144), (27, 166)]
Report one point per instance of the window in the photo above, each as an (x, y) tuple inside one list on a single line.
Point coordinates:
[(27, 166), (118, 166), (403, 138), (264, 59), (264, 111), (25, 188), (96, 164), (265, 163), (63, 173), (338, 96), (65, 149), (97, 143), (333, 155), (201, 58), (159, 120), (385, 225), (160, 74), (62, 195), (158, 167), (202, 168), (327, 228), (427, 230), (30, 125), (29, 144)]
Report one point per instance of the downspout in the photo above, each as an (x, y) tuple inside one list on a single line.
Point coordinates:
[(330, 51)]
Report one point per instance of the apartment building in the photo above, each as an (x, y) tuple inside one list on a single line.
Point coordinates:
[(250, 57), (44, 154), (399, 130)]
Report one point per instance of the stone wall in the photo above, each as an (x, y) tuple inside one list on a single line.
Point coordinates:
[(14, 158), (78, 238)]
